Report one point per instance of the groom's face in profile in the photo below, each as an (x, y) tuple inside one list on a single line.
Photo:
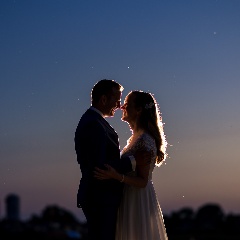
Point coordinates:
[(113, 102)]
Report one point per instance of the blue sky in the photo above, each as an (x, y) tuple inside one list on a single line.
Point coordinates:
[(184, 52)]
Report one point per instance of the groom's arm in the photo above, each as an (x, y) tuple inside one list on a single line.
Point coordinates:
[(126, 164), (140, 158), (130, 163)]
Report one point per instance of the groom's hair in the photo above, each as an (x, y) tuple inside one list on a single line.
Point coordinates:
[(104, 87)]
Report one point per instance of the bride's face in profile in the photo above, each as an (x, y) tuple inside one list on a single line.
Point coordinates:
[(129, 112)]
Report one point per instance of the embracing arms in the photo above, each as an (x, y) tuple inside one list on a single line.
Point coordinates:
[(142, 170)]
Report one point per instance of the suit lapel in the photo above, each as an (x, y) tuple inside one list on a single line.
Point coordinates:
[(110, 132)]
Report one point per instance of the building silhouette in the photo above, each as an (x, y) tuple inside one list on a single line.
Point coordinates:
[(12, 203)]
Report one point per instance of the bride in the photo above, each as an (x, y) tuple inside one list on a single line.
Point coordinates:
[(140, 216)]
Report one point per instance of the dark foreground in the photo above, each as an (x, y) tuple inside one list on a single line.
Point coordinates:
[(55, 223)]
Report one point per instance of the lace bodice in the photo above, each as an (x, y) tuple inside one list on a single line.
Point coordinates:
[(143, 142), (140, 206)]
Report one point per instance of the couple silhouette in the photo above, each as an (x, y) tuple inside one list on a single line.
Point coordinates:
[(116, 192)]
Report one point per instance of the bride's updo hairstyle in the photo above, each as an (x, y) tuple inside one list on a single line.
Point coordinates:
[(150, 120)]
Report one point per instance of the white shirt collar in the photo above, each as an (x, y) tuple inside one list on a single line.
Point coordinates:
[(96, 110)]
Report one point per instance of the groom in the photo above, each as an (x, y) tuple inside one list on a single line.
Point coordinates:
[(96, 144)]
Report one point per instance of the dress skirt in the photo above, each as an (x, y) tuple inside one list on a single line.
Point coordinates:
[(140, 216)]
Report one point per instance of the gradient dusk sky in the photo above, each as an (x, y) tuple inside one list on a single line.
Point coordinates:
[(185, 52)]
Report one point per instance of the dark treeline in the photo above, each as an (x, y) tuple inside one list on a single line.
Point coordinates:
[(208, 222)]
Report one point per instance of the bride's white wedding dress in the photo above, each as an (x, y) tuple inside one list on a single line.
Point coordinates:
[(140, 216)]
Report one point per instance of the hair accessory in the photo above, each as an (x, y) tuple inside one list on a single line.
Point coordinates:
[(149, 105)]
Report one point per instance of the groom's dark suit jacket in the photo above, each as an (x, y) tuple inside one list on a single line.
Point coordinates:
[(96, 143)]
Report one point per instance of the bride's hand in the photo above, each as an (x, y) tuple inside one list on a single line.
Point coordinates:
[(109, 173)]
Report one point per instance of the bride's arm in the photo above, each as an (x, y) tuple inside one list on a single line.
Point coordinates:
[(138, 181), (141, 179)]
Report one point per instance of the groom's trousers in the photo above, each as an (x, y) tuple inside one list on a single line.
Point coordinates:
[(101, 221)]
